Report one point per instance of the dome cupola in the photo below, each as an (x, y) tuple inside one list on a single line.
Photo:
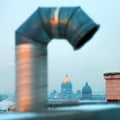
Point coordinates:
[(66, 79)]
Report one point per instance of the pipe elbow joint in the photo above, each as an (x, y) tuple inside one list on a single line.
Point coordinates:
[(71, 23)]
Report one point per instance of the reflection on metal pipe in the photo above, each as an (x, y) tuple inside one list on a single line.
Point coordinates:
[(32, 38), (31, 80)]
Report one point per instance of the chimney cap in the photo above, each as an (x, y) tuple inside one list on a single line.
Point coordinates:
[(112, 73)]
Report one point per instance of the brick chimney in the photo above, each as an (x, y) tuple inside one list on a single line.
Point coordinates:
[(112, 87)]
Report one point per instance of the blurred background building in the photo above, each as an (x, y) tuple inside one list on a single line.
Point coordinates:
[(67, 96)]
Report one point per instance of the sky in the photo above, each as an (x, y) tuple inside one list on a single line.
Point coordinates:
[(88, 64)]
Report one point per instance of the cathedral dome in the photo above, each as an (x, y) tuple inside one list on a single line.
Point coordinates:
[(66, 86), (66, 79), (86, 89)]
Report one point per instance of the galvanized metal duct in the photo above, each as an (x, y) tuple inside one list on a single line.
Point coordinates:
[(32, 38)]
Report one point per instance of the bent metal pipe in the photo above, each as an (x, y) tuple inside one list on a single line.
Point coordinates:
[(32, 38)]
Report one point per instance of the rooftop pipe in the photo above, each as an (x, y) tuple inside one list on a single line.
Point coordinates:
[(32, 38)]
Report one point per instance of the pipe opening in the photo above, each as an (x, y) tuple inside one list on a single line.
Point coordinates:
[(86, 37)]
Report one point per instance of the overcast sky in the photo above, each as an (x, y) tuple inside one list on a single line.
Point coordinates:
[(88, 64)]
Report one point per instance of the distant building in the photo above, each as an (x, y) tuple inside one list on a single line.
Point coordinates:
[(67, 96), (112, 87), (7, 104), (86, 92), (66, 87), (53, 94)]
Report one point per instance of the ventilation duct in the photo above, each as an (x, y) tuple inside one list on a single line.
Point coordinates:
[(32, 38)]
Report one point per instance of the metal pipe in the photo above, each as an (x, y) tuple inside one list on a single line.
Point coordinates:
[(32, 39)]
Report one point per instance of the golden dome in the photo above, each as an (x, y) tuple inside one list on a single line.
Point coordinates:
[(66, 79)]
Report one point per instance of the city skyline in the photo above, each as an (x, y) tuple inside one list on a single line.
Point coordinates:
[(67, 79), (68, 96), (88, 64)]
